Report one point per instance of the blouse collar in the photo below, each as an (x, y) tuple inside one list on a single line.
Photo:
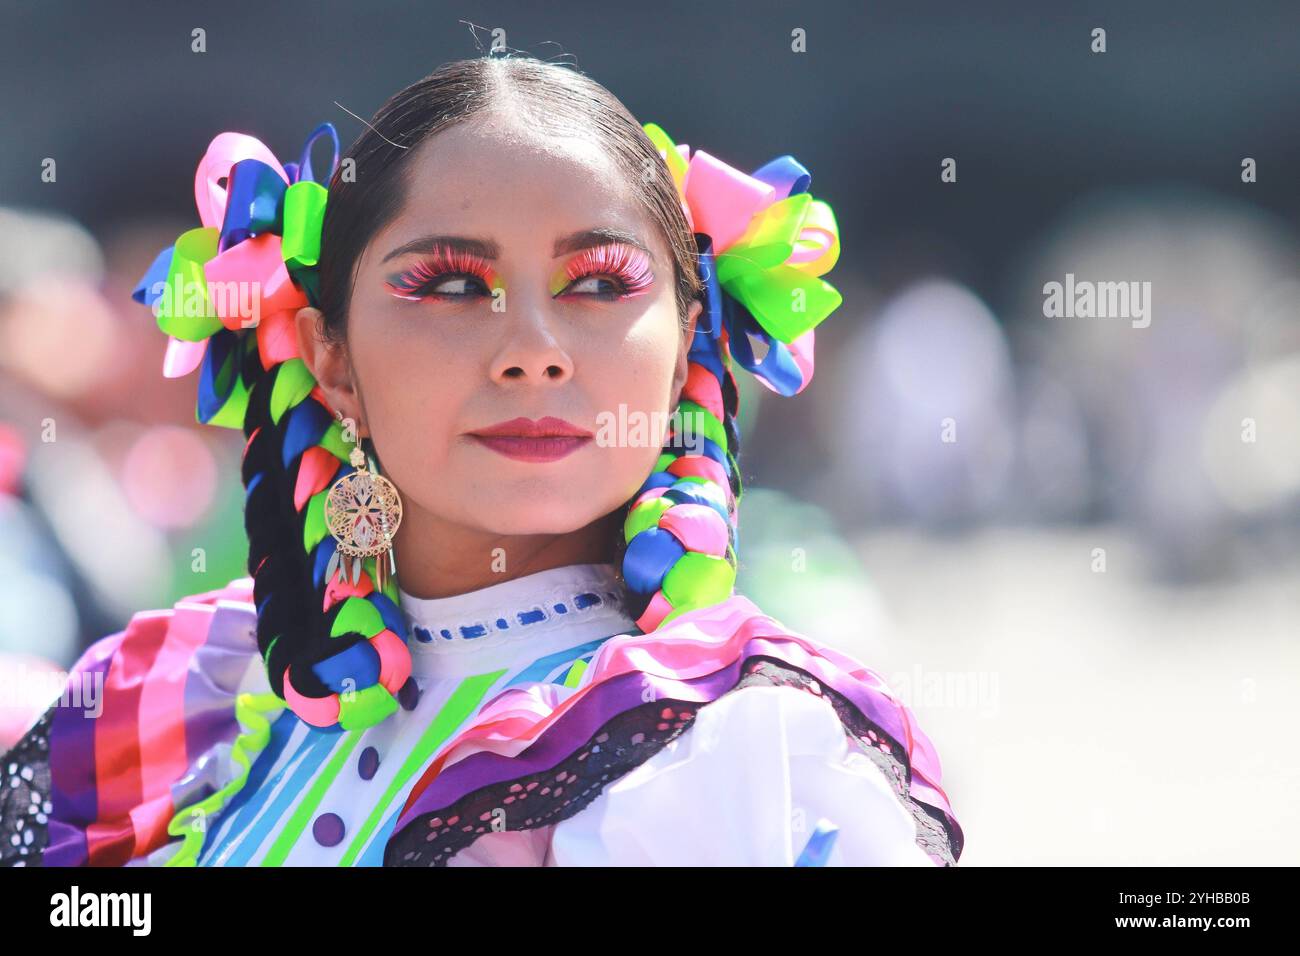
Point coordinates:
[(538, 612)]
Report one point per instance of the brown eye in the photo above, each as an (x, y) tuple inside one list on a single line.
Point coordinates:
[(589, 285), (445, 274), (450, 285)]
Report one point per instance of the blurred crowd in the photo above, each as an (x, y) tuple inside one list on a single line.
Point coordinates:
[(112, 499)]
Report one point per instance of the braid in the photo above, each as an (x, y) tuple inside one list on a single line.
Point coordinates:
[(334, 650), (762, 244), (681, 531)]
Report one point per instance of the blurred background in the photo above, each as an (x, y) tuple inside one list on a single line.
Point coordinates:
[(1070, 543)]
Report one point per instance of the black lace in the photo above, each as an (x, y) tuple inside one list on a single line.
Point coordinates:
[(25, 796)]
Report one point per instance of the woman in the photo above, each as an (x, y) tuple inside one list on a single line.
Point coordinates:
[(516, 643)]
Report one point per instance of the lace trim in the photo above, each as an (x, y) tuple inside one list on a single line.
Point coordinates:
[(625, 742), (25, 805)]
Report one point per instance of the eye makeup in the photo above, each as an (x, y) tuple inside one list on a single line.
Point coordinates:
[(611, 270), (625, 267), (440, 267)]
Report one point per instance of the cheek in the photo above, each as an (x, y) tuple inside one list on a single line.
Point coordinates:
[(637, 371), (634, 395), (411, 399)]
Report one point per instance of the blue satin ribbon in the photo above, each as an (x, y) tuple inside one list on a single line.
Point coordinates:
[(150, 287), (778, 367), (255, 191), (786, 175)]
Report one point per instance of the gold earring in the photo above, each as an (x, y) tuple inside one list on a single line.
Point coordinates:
[(362, 511)]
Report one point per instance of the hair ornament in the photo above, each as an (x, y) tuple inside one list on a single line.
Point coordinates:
[(250, 265), (765, 242)]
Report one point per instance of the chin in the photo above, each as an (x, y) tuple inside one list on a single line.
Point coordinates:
[(524, 528), (536, 514)]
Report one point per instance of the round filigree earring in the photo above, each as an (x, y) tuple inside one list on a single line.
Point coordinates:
[(362, 511)]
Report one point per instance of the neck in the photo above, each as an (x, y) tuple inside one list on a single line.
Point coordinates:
[(436, 559)]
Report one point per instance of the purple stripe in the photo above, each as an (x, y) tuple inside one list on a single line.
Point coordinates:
[(573, 729), (578, 725), (73, 793), (216, 671)]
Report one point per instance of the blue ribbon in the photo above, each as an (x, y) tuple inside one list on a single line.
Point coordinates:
[(786, 175), (778, 367), (150, 287), (255, 191)]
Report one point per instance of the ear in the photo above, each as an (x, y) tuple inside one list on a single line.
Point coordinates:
[(683, 365), (328, 364)]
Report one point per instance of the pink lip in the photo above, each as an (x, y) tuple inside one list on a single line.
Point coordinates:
[(547, 439)]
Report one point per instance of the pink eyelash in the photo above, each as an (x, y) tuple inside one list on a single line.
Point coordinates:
[(630, 266), (442, 263)]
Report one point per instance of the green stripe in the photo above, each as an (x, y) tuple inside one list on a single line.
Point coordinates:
[(575, 673), (298, 822), (462, 702)]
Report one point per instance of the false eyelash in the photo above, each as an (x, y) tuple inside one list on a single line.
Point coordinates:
[(442, 264), (631, 267)]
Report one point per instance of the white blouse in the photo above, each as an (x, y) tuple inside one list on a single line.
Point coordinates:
[(744, 785)]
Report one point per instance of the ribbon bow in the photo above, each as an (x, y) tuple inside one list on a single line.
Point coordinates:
[(763, 240), (251, 265)]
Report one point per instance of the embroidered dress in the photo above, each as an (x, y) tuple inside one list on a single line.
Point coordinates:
[(538, 728)]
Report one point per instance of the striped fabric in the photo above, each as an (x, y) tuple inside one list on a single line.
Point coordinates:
[(318, 798), (163, 716)]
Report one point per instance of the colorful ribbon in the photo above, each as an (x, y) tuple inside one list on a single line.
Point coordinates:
[(764, 241), (250, 265)]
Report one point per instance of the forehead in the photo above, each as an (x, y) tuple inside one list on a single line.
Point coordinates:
[(500, 178)]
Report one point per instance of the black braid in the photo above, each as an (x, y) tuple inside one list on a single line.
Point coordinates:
[(290, 605)]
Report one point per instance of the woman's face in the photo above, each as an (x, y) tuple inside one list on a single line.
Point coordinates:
[(498, 294)]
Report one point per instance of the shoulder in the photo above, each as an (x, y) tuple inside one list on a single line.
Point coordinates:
[(170, 641), (695, 744), (717, 652), (756, 779), (210, 634), (169, 661)]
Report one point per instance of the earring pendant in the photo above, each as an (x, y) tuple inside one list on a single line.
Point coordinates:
[(363, 511)]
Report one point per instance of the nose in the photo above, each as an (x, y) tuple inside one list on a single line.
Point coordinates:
[(530, 350)]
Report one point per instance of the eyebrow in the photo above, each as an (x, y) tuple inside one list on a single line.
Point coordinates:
[(488, 249)]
